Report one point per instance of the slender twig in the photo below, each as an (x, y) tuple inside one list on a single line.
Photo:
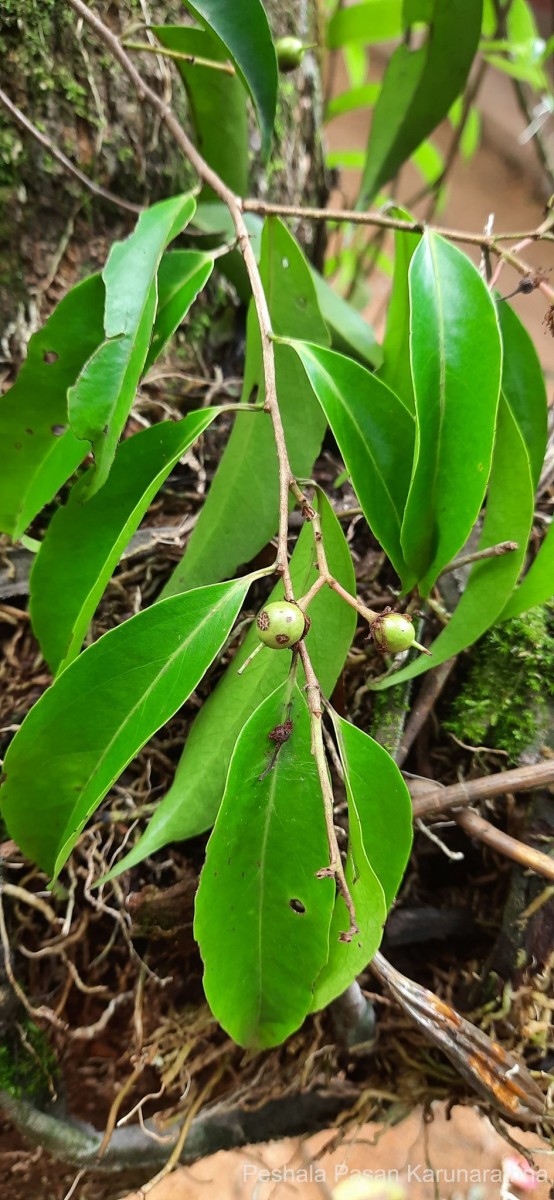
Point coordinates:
[(95, 188), (478, 555), (335, 867), (489, 242), (460, 795), (324, 574), (476, 826), (428, 695), (382, 220), (193, 60)]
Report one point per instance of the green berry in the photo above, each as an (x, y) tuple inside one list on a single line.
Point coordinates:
[(393, 633), (290, 52), (281, 625)]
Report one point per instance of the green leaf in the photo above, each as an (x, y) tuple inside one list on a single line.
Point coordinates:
[(100, 400), (396, 370), (508, 517), (382, 801), (456, 364), (98, 714), (38, 451), (350, 332), (355, 62), (242, 28), (262, 917), (192, 802), (354, 98), (84, 541), (181, 276), (418, 89), (537, 586), (240, 514), (217, 105), (380, 839), (429, 162), (523, 387), (375, 435), (374, 21)]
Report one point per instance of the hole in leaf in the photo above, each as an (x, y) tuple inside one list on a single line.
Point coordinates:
[(50, 356), (297, 906), (57, 430)]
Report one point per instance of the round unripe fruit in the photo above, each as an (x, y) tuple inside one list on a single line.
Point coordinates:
[(290, 52), (393, 633), (281, 624)]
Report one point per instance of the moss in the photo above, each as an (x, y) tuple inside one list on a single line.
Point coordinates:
[(27, 1064), (504, 701)]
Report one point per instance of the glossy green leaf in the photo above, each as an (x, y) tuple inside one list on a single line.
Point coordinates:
[(181, 276), (396, 370), (100, 400), (371, 22), (192, 802), (38, 451), (240, 513), (262, 917), (375, 435), (537, 586), (508, 517), (456, 365), (380, 839), (217, 105), (523, 386), (84, 541), (242, 28), (419, 88), (98, 714)]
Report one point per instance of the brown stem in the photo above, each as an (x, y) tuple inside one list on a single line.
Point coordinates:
[(233, 204), (325, 577), (335, 868), (460, 795), (381, 220), (428, 695), (487, 241), (479, 555), (476, 826), (60, 157)]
